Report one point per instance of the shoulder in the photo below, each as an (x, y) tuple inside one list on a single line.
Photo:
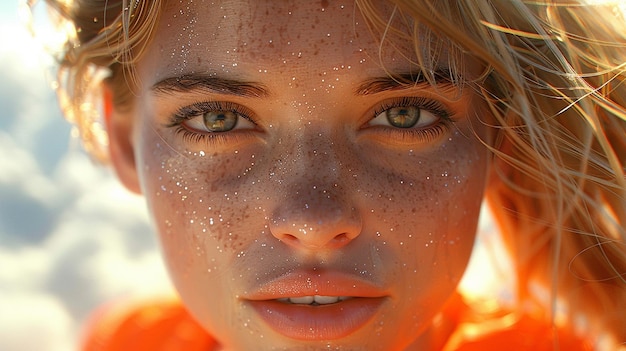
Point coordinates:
[(515, 333), (158, 325)]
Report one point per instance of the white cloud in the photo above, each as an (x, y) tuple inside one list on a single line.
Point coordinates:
[(34, 321), (71, 238)]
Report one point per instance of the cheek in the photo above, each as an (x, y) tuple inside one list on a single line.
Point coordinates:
[(200, 208), (207, 217), (195, 201), (427, 205)]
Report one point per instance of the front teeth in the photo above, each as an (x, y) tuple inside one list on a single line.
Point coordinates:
[(314, 300), (304, 300)]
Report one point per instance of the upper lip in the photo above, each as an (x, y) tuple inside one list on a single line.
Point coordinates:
[(310, 283)]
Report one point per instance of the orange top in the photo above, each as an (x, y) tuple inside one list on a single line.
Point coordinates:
[(155, 326), (167, 326)]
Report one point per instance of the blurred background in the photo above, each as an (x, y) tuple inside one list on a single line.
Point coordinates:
[(71, 238)]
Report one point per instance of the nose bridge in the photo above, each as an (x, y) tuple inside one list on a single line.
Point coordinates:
[(318, 158), (312, 158), (315, 210)]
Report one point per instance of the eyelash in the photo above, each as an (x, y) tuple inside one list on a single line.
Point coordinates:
[(188, 112), (426, 134)]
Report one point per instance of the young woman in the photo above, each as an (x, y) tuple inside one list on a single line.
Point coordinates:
[(315, 170)]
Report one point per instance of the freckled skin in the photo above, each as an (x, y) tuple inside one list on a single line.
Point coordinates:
[(310, 187)]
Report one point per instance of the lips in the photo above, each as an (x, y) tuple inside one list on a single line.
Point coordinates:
[(310, 306)]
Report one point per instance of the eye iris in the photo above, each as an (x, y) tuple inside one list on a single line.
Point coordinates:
[(220, 121), (403, 117)]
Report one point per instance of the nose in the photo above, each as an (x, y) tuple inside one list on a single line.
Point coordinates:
[(317, 210), (314, 219)]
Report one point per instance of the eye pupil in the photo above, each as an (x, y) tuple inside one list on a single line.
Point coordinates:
[(220, 121), (403, 117)]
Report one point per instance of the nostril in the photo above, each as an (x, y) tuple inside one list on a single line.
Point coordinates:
[(289, 239), (314, 241), (326, 226), (341, 238)]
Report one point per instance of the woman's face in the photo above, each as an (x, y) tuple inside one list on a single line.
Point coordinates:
[(304, 199)]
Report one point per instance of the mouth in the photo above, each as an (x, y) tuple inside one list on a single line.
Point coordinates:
[(317, 307)]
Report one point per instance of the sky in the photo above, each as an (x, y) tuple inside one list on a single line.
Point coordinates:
[(71, 238)]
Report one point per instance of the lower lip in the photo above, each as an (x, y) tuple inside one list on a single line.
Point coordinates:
[(322, 322)]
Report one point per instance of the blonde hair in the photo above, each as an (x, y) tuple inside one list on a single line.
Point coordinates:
[(554, 82), (104, 42)]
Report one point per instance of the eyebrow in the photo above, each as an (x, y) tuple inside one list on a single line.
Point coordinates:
[(210, 84), (218, 85), (403, 81)]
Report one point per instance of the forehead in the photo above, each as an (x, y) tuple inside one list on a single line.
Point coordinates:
[(254, 36)]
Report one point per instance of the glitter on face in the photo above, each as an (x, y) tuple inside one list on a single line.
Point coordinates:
[(312, 187)]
